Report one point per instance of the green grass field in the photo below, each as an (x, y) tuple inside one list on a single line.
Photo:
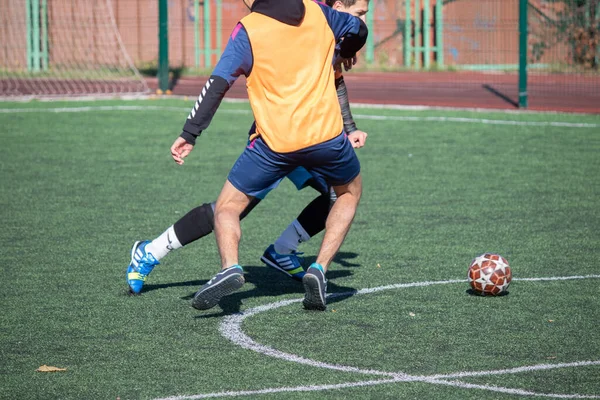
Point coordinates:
[(81, 181)]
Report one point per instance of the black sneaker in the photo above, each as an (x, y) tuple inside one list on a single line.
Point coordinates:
[(315, 288), (224, 283)]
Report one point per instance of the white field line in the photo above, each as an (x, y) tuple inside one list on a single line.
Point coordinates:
[(311, 388), (358, 116), (93, 108), (315, 388), (231, 328), (403, 107), (519, 392), (517, 370), (407, 107), (477, 121)]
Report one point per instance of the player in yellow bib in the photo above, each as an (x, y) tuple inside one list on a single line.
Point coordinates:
[(298, 123)]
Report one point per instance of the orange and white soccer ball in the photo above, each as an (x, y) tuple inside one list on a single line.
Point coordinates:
[(489, 274)]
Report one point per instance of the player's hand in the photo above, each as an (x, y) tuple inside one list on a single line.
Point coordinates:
[(180, 149), (340, 61), (349, 63), (357, 139)]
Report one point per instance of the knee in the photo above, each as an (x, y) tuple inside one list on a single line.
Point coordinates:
[(227, 207), (356, 186), (231, 200), (352, 189)]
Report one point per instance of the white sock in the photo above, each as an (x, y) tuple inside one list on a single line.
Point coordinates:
[(162, 245), (289, 240)]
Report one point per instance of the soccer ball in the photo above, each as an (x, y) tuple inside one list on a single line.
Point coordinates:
[(489, 274)]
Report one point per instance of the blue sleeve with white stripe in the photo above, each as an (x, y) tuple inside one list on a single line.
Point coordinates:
[(236, 60)]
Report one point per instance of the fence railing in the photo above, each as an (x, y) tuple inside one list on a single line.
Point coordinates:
[(497, 42)]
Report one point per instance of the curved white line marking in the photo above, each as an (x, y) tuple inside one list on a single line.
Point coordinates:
[(231, 329), (315, 388), (516, 370), (281, 390)]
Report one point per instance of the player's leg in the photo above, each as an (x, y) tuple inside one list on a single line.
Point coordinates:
[(312, 219), (194, 225), (339, 220), (255, 170), (282, 255), (230, 205), (336, 161), (309, 222), (337, 226), (313, 216)]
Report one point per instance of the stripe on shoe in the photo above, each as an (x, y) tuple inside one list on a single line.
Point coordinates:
[(136, 276), (295, 271)]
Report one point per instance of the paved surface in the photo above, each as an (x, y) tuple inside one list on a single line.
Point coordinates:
[(448, 89)]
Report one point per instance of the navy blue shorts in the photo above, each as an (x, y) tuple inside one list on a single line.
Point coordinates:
[(259, 168), (301, 178)]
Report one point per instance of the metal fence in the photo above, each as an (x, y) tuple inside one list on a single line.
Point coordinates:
[(468, 43)]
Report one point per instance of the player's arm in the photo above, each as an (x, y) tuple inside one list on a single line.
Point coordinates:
[(236, 60), (351, 28), (342, 93), (357, 137)]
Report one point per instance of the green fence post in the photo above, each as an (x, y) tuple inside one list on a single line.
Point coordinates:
[(439, 33), (35, 22), (417, 46), (197, 33), (44, 38), (407, 33), (207, 41), (163, 45), (370, 56), (523, 53), (29, 34), (426, 36)]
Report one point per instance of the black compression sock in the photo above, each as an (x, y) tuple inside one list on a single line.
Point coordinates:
[(314, 215), (196, 224)]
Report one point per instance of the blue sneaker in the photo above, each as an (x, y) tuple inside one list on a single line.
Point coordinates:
[(140, 266), (315, 288), (224, 283), (289, 264)]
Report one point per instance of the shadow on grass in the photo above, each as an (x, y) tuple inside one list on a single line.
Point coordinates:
[(150, 287), (472, 292), (270, 283)]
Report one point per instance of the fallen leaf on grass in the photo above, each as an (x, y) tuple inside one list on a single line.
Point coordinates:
[(378, 266), (47, 368)]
